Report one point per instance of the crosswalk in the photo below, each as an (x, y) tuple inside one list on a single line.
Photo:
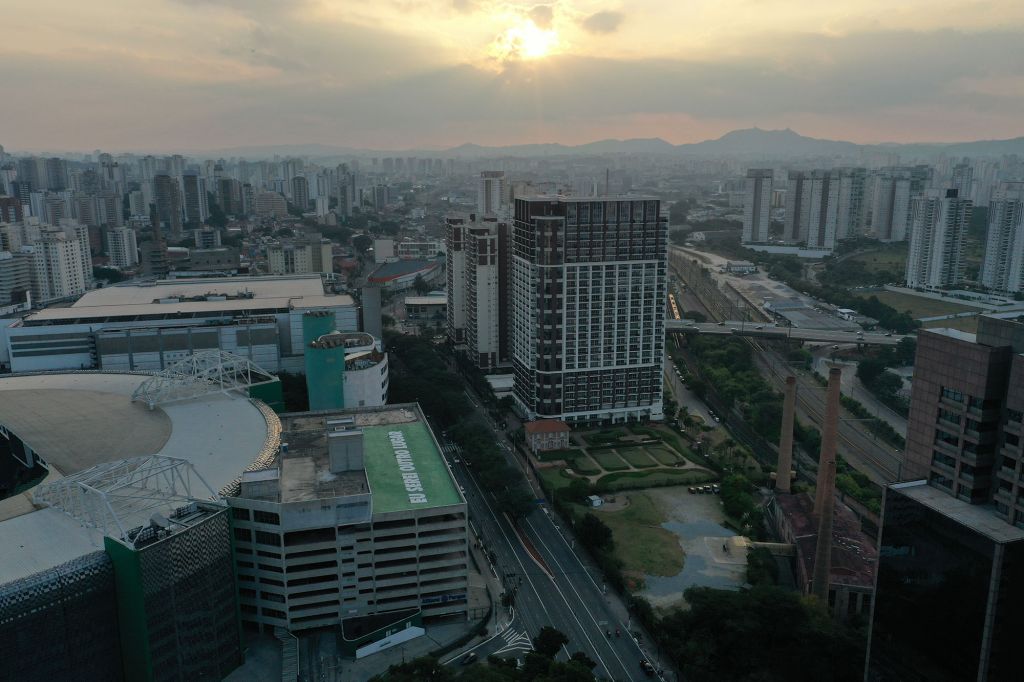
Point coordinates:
[(516, 641)]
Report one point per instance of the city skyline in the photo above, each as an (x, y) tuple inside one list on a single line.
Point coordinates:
[(438, 74)]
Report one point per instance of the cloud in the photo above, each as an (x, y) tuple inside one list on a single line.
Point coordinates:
[(464, 6), (542, 16), (603, 22)]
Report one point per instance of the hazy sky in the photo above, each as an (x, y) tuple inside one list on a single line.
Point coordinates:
[(210, 74)]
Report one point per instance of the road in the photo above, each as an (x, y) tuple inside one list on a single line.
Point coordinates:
[(564, 593), (773, 332), (683, 395), (852, 386)]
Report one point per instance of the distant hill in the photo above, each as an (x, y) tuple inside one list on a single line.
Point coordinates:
[(749, 143)]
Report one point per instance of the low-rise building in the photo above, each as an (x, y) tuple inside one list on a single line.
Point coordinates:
[(546, 434)]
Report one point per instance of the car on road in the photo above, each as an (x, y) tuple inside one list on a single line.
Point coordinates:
[(469, 658), (760, 326), (693, 491), (647, 668), (835, 347), (721, 324)]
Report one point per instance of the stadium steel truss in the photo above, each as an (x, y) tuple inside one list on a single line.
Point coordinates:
[(202, 373), (117, 498)]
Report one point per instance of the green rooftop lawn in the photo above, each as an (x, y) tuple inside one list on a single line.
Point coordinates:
[(387, 484)]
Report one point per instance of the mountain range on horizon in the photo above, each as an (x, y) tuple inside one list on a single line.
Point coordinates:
[(749, 143)]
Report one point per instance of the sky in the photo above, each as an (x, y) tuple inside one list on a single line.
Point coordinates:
[(194, 75)]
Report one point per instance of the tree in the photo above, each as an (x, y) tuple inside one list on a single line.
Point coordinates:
[(420, 285), (425, 669), (549, 641), (594, 533), (362, 243)]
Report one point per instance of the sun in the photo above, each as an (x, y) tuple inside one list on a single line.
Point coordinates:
[(525, 41)]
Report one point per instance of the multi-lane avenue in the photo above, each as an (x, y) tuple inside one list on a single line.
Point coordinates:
[(771, 331), (551, 583)]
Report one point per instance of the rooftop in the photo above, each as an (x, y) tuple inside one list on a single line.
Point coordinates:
[(546, 426), (399, 268), (403, 467), (853, 552), (177, 296), (976, 517), (75, 421)]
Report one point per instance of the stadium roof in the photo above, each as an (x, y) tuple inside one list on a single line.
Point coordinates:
[(75, 421), (84, 423)]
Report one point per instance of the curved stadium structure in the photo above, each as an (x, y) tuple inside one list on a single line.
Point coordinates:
[(119, 559)]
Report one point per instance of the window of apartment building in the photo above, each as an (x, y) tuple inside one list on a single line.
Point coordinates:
[(952, 394), (949, 416), (943, 437), (941, 481), (271, 581), (273, 613), (940, 458), (272, 596), (243, 534), (240, 513), (1014, 416)]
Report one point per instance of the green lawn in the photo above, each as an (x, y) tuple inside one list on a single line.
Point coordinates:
[(889, 258), (918, 306), (631, 480), (567, 454), (665, 456), (604, 437), (555, 478), (640, 541), (585, 465), (638, 457), (609, 460)]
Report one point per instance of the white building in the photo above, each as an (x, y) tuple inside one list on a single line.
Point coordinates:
[(492, 194), (1003, 266), (455, 231), (121, 247), (587, 296), (757, 205), (890, 209), (939, 221), (823, 211), (300, 258), (383, 250), (851, 197)]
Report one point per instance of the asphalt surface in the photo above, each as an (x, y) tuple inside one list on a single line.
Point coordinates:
[(563, 593)]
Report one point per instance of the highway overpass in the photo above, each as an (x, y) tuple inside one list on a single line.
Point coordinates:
[(771, 331)]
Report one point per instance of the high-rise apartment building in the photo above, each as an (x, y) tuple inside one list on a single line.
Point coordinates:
[(15, 276), (1003, 265), (122, 247), (11, 210), (950, 579), (271, 205), (587, 298), (300, 258), (492, 193), (168, 205), (823, 210), (890, 207), (477, 252), (62, 262), (798, 207), (195, 199), (939, 222), (381, 197), (963, 179), (757, 205), (300, 192), (456, 231), (851, 197)]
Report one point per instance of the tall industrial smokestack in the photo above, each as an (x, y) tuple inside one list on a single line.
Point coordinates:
[(824, 501), (782, 476)]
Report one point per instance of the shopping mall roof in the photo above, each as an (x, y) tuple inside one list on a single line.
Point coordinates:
[(195, 296)]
